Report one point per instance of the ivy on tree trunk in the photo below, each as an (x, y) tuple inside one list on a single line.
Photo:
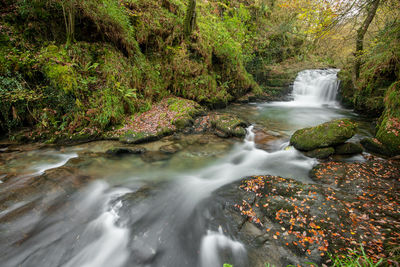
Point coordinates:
[(190, 19)]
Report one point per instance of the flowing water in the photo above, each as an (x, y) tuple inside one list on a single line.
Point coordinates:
[(136, 212)]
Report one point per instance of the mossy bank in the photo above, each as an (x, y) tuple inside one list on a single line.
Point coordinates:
[(111, 60)]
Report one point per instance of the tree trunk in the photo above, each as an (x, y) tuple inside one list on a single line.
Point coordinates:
[(190, 19), (69, 20), (371, 11)]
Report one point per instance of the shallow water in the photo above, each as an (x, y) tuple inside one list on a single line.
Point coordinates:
[(75, 206)]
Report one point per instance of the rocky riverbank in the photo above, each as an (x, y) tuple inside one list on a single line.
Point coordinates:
[(349, 205), (172, 115)]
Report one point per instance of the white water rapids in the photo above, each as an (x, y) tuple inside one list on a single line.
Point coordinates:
[(168, 223)]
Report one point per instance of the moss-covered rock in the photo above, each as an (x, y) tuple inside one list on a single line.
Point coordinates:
[(389, 135), (389, 128), (320, 153), (184, 111), (228, 126), (373, 145), (138, 137), (348, 149), (324, 135)]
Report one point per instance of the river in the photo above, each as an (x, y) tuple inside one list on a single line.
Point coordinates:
[(75, 206)]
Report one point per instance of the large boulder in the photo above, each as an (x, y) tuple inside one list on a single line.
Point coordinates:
[(389, 135), (324, 135)]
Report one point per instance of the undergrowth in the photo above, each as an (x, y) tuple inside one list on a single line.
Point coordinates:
[(126, 55)]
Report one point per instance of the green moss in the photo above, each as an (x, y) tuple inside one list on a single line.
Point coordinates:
[(229, 125), (183, 106), (392, 99), (58, 70), (389, 134), (132, 137), (324, 135), (375, 146), (320, 153), (348, 149), (389, 128), (126, 56)]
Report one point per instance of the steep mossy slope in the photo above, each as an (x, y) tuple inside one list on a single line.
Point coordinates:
[(121, 56), (376, 92)]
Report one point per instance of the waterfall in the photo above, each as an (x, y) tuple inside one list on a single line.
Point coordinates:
[(316, 87)]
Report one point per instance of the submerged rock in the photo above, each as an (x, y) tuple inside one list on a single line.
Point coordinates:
[(171, 149), (121, 151), (324, 135), (153, 156)]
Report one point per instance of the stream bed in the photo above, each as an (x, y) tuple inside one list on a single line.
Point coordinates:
[(77, 206)]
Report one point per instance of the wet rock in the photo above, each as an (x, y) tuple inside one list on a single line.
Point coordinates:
[(348, 149), (221, 134), (138, 137), (374, 146), (203, 140), (176, 137), (320, 153), (153, 156), (53, 182), (263, 138), (251, 97), (4, 148), (306, 222), (202, 124), (395, 158), (243, 99), (324, 135), (121, 151), (181, 123), (171, 149), (143, 252), (229, 126)]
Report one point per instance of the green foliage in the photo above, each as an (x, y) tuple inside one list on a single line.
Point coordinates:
[(380, 69), (127, 54), (12, 92), (59, 73), (389, 126), (381, 62), (354, 258)]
